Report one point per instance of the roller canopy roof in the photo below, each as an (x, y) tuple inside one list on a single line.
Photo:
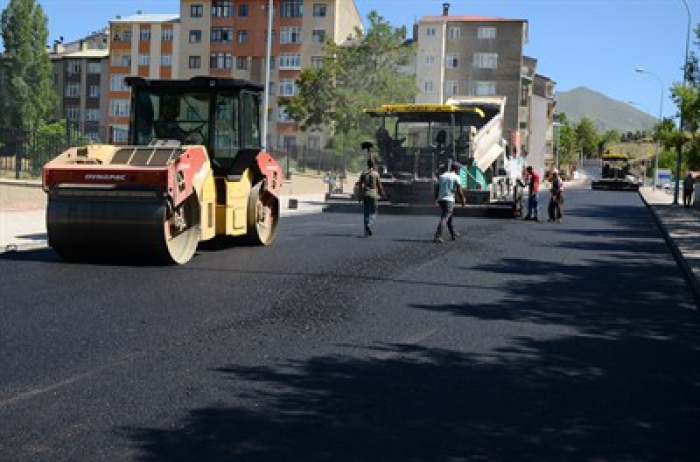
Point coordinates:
[(196, 83)]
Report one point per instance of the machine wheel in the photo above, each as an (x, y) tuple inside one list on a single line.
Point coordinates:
[(263, 215), (184, 230)]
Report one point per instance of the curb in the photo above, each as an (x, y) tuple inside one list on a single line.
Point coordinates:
[(22, 183), (677, 254)]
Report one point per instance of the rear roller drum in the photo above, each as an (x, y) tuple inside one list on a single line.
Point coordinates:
[(263, 215)]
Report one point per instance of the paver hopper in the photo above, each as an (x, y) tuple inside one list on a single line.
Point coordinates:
[(194, 170)]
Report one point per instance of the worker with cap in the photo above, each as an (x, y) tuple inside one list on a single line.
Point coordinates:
[(557, 198), (448, 184)]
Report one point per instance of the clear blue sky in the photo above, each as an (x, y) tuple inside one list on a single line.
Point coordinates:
[(592, 43)]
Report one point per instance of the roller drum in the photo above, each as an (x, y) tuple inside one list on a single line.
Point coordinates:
[(109, 228)]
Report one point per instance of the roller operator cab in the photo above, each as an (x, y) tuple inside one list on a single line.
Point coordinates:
[(194, 170)]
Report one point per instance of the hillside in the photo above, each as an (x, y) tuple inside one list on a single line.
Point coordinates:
[(606, 113)]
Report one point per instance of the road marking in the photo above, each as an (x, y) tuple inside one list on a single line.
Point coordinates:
[(76, 378)]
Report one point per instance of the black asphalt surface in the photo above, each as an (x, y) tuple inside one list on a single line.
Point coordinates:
[(521, 341)]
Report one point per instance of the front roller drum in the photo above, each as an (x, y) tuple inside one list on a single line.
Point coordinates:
[(111, 229)]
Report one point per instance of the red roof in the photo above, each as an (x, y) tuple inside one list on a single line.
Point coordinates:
[(467, 18)]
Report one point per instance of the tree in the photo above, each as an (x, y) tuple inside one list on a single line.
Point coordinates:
[(354, 77), (567, 144), (608, 138), (587, 137), (687, 100), (26, 67)]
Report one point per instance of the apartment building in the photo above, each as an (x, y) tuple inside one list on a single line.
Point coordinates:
[(145, 45), (79, 78), (473, 55), (223, 38)]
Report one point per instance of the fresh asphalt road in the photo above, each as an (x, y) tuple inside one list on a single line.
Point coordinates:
[(521, 341)]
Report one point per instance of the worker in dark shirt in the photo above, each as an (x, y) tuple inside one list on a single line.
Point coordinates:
[(688, 188), (557, 198), (533, 181), (371, 189)]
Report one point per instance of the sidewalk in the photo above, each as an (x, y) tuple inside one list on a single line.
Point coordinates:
[(23, 209), (681, 228)]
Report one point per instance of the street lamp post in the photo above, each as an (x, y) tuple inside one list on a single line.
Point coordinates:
[(681, 124), (661, 114), (268, 59), (658, 141)]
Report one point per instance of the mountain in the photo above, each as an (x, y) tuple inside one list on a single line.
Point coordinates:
[(606, 113)]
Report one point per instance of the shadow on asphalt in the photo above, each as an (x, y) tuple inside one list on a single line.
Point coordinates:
[(624, 387)]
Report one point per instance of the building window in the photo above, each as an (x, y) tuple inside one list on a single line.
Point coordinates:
[(73, 90), (195, 36), (317, 62), (282, 115), (119, 108), (121, 60), (242, 36), (288, 87), (452, 61), (144, 59), (273, 63), (292, 8), (274, 34), (94, 91), (73, 112), (94, 68), (166, 60), (122, 35), (430, 32), (118, 83), (222, 35), (314, 142), (319, 10), (120, 133), (145, 34), (428, 87), (486, 60), (222, 8), (92, 115), (221, 61), (318, 36), (289, 142), (451, 88), (271, 89), (242, 63), (430, 60), (73, 66), (196, 11), (290, 61), (455, 33), (485, 88), (167, 34), (242, 11), (290, 35), (485, 33), (195, 62)]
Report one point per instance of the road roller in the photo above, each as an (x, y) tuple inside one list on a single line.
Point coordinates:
[(193, 170)]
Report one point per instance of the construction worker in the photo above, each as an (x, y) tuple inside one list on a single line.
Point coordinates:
[(448, 184), (370, 190)]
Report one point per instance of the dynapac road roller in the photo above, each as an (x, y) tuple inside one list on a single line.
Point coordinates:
[(194, 170)]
